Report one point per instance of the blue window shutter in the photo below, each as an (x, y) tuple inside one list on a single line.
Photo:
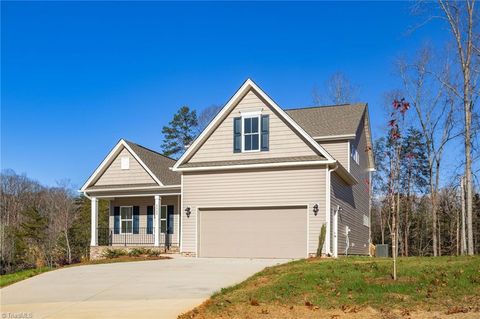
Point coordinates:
[(149, 219), (265, 133), (136, 213), (237, 134), (170, 219), (116, 220)]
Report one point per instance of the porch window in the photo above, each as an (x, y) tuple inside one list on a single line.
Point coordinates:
[(170, 210), (163, 219), (126, 219)]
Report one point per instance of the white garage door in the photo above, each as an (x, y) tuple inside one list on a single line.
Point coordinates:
[(273, 232)]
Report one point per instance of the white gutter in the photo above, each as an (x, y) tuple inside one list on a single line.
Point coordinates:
[(84, 194), (328, 197), (334, 137)]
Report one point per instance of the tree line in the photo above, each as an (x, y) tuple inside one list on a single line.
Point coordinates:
[(42, 226), (423, 205)]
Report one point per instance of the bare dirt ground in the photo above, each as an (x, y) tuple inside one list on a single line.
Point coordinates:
[(310, 312)]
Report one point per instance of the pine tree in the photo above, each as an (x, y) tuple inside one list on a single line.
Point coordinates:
[(180, 132), (32, 234)]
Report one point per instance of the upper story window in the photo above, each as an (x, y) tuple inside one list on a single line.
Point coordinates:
[(251, 134), (354, 154), (125, 162)]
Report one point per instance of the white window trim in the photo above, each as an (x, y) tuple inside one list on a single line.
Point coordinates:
[(251, 116), (129, 219)]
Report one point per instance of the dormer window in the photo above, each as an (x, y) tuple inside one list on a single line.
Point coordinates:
[(251, 134)]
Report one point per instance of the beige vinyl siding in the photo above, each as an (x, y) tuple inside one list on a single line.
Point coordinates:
[(254, 188), (115, 175), (143, 202), (339, 150), (354, 201), (283, 141)]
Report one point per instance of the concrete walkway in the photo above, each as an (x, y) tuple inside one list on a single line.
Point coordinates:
[(150, 289)]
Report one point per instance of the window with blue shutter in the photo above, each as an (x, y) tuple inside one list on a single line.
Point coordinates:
[(265, 133), (116, 220), (149, 219), (136, 219), (237, 135)]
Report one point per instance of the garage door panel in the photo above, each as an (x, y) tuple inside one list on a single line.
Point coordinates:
[(253, 232)]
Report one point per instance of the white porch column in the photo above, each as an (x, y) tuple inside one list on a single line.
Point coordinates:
[(94, 222), (158, 205)]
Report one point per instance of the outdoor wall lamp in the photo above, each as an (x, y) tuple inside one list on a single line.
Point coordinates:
[(315, 209), (188, 211)]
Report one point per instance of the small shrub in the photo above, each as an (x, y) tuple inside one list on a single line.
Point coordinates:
[(113, 253), (137, 252), (153, 253)]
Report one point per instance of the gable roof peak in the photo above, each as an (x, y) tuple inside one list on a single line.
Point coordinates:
[(155, 164), (239, 94)]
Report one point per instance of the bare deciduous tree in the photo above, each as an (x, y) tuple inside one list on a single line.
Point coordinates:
[(61, 204), (206, 116), (340, 89), (463, 20), (337, 90), (434, 109)]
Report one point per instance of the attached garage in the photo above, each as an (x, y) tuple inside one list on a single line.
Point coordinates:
[(263, 232)]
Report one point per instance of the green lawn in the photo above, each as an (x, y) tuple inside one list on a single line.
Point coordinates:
[(423, 283), (9, 279)]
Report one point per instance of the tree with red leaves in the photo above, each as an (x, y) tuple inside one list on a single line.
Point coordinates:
[(400, 107)]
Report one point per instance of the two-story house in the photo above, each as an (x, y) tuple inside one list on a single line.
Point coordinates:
[(258, 182)]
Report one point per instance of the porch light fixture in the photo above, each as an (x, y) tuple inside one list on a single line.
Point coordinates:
[(315, 209), (188, 211)]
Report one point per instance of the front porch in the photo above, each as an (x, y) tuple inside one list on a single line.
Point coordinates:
[(144, 200), (136, 221)]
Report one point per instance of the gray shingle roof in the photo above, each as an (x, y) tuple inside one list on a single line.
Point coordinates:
[(255, 161), (157, 163), (329, 120)]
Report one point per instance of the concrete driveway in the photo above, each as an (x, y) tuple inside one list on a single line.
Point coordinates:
[(150, 289)]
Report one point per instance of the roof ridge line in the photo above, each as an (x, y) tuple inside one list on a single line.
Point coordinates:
[(324, 106)]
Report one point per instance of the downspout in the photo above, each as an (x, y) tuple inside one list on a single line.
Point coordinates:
[(328, 214)]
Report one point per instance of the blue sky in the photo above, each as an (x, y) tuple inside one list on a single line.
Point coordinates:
[(77, 77)]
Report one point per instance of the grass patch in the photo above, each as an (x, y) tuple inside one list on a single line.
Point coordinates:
[(423, 283), (12, 278)]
